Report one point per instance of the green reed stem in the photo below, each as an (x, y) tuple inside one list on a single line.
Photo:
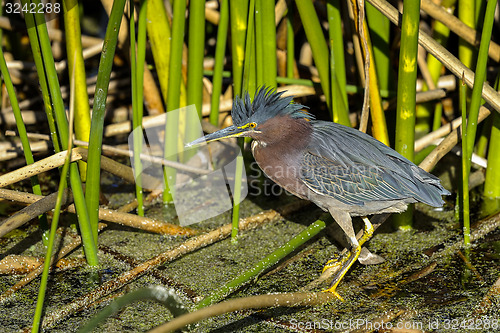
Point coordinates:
[(21, 129), (380, 26), (264, 264), (407, 77), (290, 44), (249, 83), (259, 41), (479, 77), (269, 44), (239, 12), (465, 168), (158, 294), (314, 35), (476, 99), (441, 35), (159, 34), (237, 197), (137, 60), (491, 192), (466, 14), (76, 65), (483, 139), (250, 75), (57, 211), (37, 57), (220, 51), (196, 54), (88, 239), (339, 103), (97, 124), (337, 41), (50, 246), (173, 97), (141, 60)]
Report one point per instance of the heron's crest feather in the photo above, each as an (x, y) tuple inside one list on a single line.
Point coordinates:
[(266, 104)]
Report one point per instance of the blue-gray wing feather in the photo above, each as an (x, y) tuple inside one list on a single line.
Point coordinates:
[(354, 168), (352, 185)]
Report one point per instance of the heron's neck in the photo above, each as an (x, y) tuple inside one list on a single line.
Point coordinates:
[(285, 133), (279, 153)]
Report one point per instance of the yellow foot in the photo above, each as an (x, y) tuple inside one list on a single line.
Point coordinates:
[(337, 262), (334, 292)]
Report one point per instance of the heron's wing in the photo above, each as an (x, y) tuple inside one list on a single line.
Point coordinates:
[(352, 185), (354, 149)]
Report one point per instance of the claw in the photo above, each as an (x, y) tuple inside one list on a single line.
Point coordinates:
[(334, 292), (336, 262)]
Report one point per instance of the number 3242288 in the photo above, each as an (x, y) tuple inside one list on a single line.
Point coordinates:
[(32, 8)]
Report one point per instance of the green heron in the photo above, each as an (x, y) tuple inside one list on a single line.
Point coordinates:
[(342, 170)]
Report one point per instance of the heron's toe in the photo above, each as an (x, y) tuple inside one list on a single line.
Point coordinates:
[(337, 262), (333, 291)]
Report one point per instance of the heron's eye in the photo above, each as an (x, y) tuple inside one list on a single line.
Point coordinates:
[(252, 125)]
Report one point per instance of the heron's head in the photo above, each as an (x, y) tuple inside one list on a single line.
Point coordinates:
[(268, 116)]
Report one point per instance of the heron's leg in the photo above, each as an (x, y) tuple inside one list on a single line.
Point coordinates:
[(368, 231), (344, 220), (345, 263)]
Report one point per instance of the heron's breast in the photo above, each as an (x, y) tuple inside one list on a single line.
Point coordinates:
[(280, 167)]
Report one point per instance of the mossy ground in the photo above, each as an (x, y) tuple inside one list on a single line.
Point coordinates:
[(449, 296)]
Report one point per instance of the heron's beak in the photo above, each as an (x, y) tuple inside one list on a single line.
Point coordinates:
[(228, 132)]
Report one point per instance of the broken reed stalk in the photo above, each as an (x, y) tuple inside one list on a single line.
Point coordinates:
[(186, 247), (252, 302), (124, 152), (32, 211), (15, 264), (448, 143), (110, 215), (38, 269)]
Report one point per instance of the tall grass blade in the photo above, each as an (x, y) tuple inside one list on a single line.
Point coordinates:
[(97, 124), (173, 97), (159, 34), (238, 13), (196, 53), (88, 239), (21, 129), (407, 78), (220, 50), (55, 219), (76, 67), (268, 37), (42, 79), (466, 14), (137, 60), (380, 30), (339, 105), (290, 44), (314, 35), (480, 77), (465, 169)]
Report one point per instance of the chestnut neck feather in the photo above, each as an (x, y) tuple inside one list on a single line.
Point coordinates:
[(278, 148)]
